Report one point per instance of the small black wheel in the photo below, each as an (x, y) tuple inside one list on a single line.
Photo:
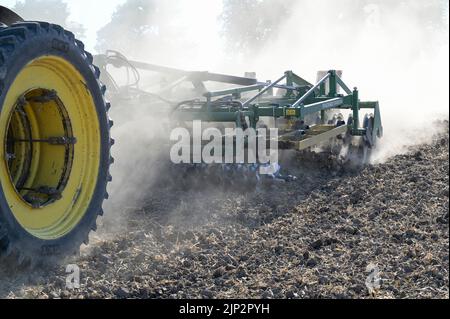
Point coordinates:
[(369, 139)]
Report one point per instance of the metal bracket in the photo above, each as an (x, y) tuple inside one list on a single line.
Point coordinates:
[(58, 140), (52, 193), (44, 98)]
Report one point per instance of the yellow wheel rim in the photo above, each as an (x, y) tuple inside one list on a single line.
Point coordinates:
[(50, 154)]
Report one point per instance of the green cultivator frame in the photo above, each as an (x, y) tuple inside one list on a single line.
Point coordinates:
[(301, 100), (311, 114)]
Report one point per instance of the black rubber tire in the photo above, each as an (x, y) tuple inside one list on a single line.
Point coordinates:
[(8, 17), (369, 141), (20, 43)]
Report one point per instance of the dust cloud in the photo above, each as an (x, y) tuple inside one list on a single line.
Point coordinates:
[(390, 50), (395, 52)]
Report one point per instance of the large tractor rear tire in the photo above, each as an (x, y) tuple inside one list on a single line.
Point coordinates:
[(54, 142)]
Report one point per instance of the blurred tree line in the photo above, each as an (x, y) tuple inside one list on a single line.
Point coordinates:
[(247, 25), (54, 11), (132, 24)]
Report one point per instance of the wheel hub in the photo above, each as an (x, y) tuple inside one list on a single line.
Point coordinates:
[(39, 136)]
